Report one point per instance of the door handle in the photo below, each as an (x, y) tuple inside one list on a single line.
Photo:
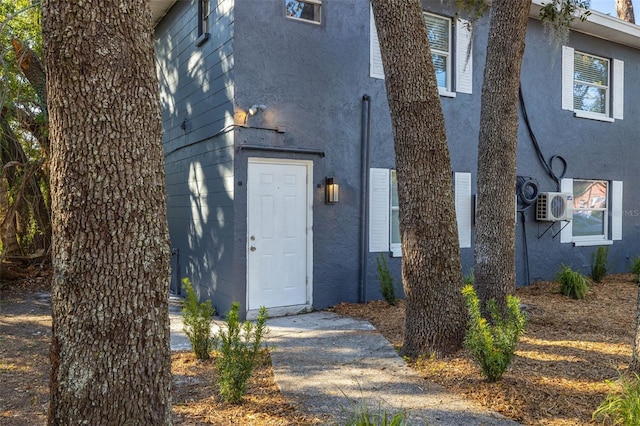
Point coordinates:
[(252, 248)]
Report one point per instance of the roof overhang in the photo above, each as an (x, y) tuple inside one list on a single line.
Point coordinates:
[(159, 8), (600, 25), (597, 24)]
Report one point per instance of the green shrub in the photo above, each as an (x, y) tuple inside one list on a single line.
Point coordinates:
[(621, 408), (635, 266), (572, 283), (469, 279), (599, 264), (239, 346), (361, 415), (386, 281), (197, 321), (493, 344)]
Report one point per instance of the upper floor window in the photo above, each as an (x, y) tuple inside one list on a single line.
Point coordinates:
[(305, 10), (439, 34), (204, 12), (590, 87), (453, 67)]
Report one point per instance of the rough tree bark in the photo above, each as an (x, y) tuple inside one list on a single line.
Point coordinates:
[(431, 268), (494, 249), (625, 10), (110, 354), (634, 366)]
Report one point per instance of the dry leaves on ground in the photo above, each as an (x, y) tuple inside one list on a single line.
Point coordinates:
[(558, 377), (25, 333), (571, 348)]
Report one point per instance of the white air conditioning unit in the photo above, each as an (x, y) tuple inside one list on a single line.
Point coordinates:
[(554, 206)]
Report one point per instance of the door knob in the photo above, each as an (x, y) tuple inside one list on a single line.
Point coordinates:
[(252, 248)]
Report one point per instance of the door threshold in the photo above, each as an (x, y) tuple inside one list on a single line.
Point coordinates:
[(280, 311)]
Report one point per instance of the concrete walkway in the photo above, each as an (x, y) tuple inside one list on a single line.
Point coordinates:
[(324, 364)]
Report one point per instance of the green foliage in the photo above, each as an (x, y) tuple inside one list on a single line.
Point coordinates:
[(469, 279), (472, 9), (572, 283), (599, 264), (386, 280), (239, 346), (557, 16), (623, 407), (197, 321), (493, 344), (635, 267), (361, 415)]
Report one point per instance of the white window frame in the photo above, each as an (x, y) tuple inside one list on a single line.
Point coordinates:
[(381, 210), (394, 247), (462, 66), (614, 108), (317, 13), (204, 14), (446, 90), (612, 215)]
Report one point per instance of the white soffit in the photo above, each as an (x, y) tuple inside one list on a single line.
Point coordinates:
[(159, 8), (600, 25)]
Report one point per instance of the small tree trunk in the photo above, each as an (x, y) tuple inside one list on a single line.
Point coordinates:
[(634, 366), (431, 268), (625, 10), (494, 250)]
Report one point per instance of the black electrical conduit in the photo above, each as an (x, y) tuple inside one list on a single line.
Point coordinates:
[(528, 189), (365, 160)]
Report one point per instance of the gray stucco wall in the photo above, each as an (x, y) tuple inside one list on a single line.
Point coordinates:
[(592, 149), (312, 79)]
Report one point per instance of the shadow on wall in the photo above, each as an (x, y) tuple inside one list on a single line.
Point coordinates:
[(196, 92)]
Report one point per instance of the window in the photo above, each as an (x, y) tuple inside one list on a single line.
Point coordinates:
[(395, 215), (204, 12), (590, 83), (591, 87), (384, 210), (305, 10), (597, 212), (590, 209), (440, 33)]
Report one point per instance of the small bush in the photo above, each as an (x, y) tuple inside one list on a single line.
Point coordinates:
[(599, 264), (361, 415), (469, 279), (621, 408), (239, 346), (635, 266), (386, 281), (197, 321), (493, 345), (572, 283)]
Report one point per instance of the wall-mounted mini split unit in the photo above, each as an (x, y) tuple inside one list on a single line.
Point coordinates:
[(554, 206)]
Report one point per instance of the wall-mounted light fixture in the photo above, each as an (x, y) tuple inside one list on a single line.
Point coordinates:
[(254, 109), (332, 190)]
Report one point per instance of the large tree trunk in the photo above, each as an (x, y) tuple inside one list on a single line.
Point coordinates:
[(494, 249), (110, 354), (625, 10), (431, 268)]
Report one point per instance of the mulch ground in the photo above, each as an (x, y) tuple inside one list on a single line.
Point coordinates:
[(560, 374)]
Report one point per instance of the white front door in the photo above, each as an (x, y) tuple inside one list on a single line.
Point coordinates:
[(279, 233)]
